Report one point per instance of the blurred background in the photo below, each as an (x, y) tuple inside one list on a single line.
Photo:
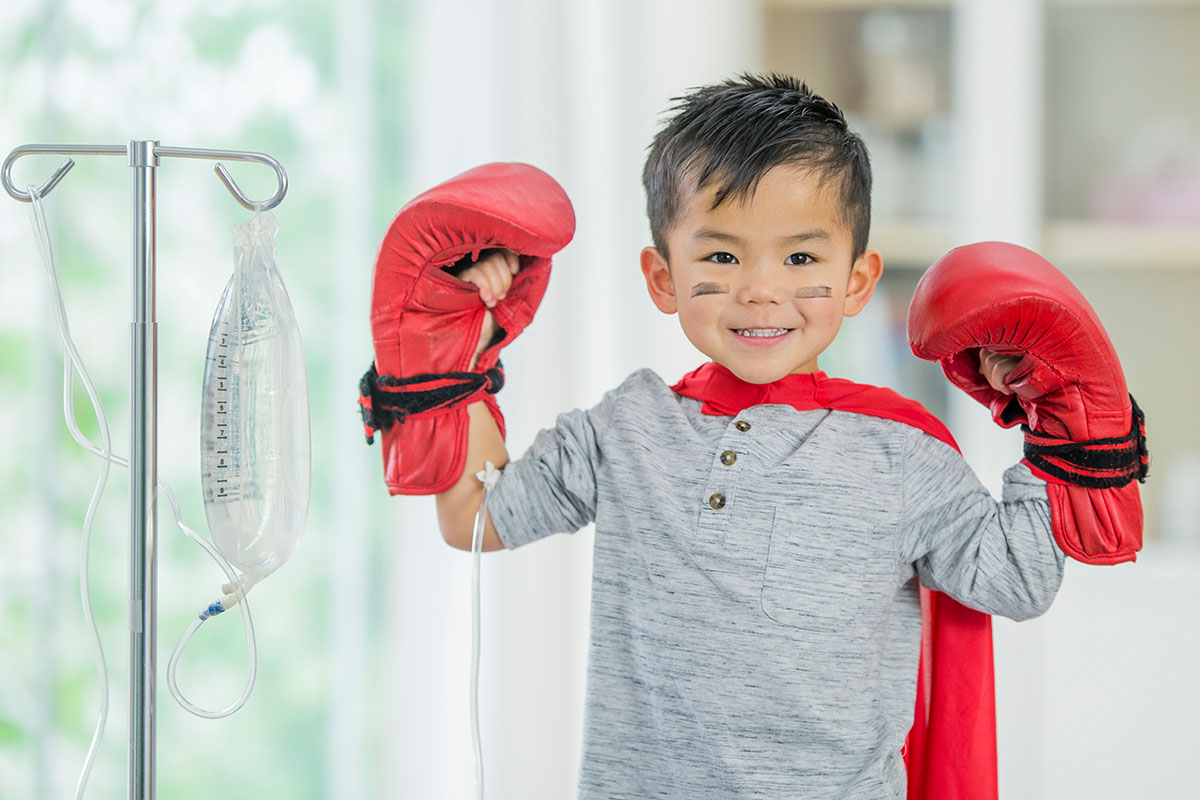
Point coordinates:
[(1069, 126)]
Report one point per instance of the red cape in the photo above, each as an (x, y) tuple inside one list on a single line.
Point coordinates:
[(951, 749)]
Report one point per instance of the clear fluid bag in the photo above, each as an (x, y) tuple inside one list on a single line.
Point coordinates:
[(255, 451)]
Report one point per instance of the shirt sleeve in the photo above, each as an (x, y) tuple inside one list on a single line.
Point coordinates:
[(552, 487), (995, 557)]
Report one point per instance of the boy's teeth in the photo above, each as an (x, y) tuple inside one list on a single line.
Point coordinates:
[(763, 332)]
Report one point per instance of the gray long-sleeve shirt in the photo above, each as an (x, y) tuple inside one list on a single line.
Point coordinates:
[(755, 618)]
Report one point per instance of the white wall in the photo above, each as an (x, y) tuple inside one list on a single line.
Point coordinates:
[(1098, 699)]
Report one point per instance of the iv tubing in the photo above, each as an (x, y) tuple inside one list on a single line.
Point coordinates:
[(488, 477), (42, 236), (476, 549)]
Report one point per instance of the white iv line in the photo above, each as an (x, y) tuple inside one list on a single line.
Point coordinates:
[(488, 477)]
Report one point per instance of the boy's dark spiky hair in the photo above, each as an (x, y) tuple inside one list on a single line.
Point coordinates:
[(736, 131)]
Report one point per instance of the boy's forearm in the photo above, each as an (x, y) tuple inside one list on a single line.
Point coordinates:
[(458, 505)]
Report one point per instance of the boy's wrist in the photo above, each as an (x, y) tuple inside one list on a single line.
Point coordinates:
[(487, 332)]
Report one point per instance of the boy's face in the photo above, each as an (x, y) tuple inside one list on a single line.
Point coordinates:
[(761, 285)]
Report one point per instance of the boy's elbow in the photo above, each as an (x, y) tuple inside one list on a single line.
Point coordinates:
[(1043, 603), (458, 529), (1031, 611), (459, 541), (1043, 592), (1037, 601), (456, 525), (457, 538), (451, 539)]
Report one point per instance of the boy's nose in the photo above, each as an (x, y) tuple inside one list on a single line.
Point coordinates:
[(760, 286)]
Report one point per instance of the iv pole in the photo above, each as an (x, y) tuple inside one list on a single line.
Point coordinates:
[(143, 158)]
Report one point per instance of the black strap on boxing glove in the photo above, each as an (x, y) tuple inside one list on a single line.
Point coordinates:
[(386, 400), (1096, 463)]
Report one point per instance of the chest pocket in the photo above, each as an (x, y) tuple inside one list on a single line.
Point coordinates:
[(820, 573)]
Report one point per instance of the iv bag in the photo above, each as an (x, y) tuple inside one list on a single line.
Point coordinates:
[(254, 441)]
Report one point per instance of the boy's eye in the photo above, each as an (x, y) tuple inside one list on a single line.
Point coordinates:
[(722, 258), (799, 259)]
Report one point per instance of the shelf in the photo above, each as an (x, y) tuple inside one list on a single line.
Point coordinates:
[(862, 5), (1068, 244), (910, 244), (1131, 4), (856, 5), (1092, 244)]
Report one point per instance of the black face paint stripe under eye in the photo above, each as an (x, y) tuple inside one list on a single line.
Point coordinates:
[(814, 291), (709, 288)]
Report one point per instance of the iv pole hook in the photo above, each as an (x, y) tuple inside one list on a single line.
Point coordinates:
[(44, 189), (227, 179), (181, 152)]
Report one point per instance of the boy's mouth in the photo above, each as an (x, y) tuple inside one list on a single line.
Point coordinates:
[(762, 333)]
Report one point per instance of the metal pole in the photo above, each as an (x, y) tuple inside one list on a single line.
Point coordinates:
[(143, 479)]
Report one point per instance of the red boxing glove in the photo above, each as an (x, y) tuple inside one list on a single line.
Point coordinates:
[(1083, 432), (426, 323)]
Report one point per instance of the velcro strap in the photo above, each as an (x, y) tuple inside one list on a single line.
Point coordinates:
[(1096, 463), (386, 400)]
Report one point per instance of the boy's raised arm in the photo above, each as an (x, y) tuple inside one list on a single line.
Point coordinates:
[(458, 506), (1084, 435), (509, 219)]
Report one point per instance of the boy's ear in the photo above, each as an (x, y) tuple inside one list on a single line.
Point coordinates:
[(864, 274), (658, 280)]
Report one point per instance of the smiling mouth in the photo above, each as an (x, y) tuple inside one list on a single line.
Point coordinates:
[(761, 333)]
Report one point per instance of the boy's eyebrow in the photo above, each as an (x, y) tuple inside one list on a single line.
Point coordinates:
[(720, 236), (810, 235), (817, 234)]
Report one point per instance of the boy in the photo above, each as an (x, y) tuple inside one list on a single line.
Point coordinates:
[(755, 618)]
